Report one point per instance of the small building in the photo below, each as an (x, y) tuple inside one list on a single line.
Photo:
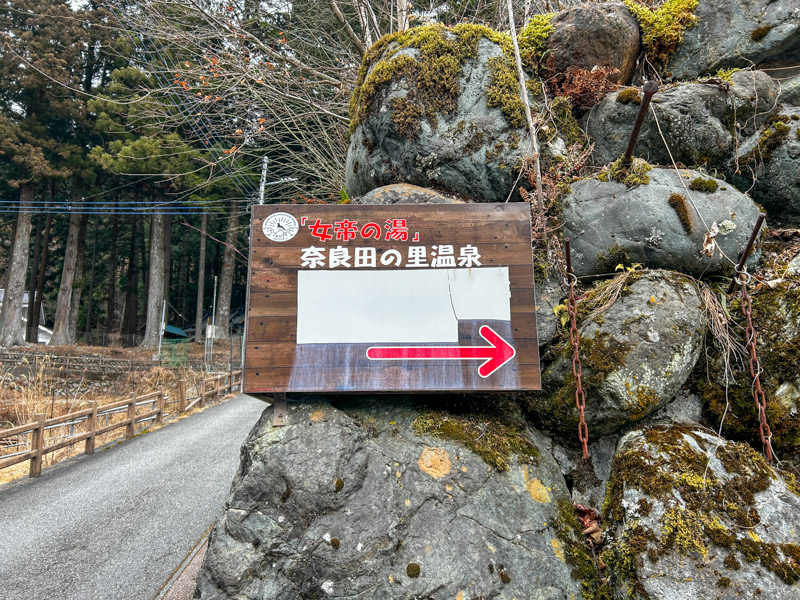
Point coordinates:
[(44, 333)]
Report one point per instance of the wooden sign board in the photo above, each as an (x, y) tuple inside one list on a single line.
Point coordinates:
[(346, 298)]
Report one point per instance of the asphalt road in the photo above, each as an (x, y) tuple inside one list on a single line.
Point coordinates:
[(117, 524)]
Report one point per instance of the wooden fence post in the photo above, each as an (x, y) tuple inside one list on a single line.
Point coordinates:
[(37, 444), (130, 428), (230, 381), (91, 425), (181, 396), (217, 386), (202, 391), (160, 405)]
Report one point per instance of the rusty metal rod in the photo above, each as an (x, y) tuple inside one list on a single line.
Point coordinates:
[(568, 255), (747, 250), (649, 88)]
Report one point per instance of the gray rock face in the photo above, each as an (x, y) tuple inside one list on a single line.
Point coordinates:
[(610, 223), (589, 35), (776, 168), (404, 193), (548, 296), (350, 503), (732, 34), (697, 120), (695, 516), (471, 151), (790, 91), (635, 357), (793, 268)]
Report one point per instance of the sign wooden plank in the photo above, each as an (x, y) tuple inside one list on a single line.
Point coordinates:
[(409, 298)]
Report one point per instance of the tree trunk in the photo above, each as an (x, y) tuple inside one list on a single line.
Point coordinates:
[(226, 277), (61, 332), (37, 310), (201, 282), (130, 315), (37, 251), (7, 274), (90, 297), (112, 276), (143, 264), (11, 331), (167, 249), (183, 276), (78, 283), (155, 291), (402, 15)]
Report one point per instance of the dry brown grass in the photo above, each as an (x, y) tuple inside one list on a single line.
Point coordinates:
[(24, 394)]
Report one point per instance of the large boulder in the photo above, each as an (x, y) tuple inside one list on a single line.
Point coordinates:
[(440, 108), (373, 499), (659, 224), (700, 121), (590, 35), (404, 193), (737, 34), (691, 515), (768, 165), (635, 356)]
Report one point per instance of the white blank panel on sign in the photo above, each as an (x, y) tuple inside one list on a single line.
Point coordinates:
[(481, 293), (357, 307)]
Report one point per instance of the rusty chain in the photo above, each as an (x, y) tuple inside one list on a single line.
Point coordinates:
[(755, 366), (574, 338)]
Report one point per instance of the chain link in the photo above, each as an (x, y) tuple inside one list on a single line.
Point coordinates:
[(574, 338), (755, 367)]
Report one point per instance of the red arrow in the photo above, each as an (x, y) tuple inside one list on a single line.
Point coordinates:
[(495, 356)]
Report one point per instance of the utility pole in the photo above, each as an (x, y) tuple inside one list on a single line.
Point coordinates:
[(263, 180)]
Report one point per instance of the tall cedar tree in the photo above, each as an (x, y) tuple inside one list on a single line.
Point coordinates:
[(40, 45), (141, 148), (91, 69)]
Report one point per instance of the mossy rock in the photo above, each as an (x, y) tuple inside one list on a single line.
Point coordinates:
[(646, 215), (776, 317), (635, 356), (768, 166), (594, 34), (440, 108), (691, 515), (699, 120), (417, 515), (737, 34)]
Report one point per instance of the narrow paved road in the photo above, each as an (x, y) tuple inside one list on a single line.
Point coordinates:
[(117, 524)]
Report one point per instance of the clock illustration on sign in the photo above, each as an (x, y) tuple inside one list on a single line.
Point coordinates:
[(280, 227)]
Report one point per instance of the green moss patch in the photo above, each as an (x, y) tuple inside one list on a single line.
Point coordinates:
[(772, 137), (760, 33), (700, 184), (566, 123), (496, 438), (663, 27), (630, 95), (671, 465), (432, 77), (635, 173), (681, 208), (577, 553), (726, 74), (532, 39)]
